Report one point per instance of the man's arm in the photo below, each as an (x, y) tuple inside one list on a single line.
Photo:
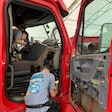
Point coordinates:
[(28, 92), (53, 92)]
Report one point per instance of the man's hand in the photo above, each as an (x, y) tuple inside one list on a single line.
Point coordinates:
[(23, 43), (53, 92), (56, 82)]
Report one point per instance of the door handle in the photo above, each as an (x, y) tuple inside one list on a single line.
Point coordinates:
[(79, 68)]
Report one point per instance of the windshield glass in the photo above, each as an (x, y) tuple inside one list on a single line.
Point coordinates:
[(43, 32)]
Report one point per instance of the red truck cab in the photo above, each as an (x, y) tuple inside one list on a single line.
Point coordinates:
[(46, 46), (83, 65)]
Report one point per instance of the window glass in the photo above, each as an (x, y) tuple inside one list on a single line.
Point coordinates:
[(94, 17), (106, 36), (37, 32), (43, 32)]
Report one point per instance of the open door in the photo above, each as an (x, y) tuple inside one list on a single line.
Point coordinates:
[(90, 68)]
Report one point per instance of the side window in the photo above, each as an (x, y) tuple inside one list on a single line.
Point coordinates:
[(95, 32)]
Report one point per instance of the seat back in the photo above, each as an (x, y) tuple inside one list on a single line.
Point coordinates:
[(18, 76)]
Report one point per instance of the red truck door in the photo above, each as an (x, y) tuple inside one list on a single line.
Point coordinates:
[(48, 44), (91, 67)]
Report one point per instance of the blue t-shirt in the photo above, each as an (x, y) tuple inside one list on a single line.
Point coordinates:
[(39, 86)]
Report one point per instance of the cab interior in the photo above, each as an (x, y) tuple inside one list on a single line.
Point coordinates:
[(44, 47)]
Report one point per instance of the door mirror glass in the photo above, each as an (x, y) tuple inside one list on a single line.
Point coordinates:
[(106, 36)]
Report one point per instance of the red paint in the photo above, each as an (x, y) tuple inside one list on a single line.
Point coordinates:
[(5, 104), (91, 105), (109, 109), (67, 105)]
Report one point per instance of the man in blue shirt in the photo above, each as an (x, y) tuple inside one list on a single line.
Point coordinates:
[(41, 84)]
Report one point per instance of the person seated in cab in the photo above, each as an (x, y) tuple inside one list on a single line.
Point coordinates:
[(18, 36), (20, 39), (37, 96)]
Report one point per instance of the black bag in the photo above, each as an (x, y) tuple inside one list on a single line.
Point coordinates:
[(54, 107)]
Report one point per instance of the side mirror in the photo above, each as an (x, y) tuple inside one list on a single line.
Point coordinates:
[(106, 36)]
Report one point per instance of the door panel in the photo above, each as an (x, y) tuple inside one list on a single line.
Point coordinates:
[(91, 68), (86, 66), (89, 73)]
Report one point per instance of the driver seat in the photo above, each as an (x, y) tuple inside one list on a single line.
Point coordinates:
[(18, 77)]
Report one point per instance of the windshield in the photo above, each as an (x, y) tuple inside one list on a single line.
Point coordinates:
[(44, 32)]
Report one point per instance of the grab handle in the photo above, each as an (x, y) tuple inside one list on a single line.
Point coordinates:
[(12, 77)]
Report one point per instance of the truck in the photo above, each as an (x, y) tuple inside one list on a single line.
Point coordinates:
[(83, 64)]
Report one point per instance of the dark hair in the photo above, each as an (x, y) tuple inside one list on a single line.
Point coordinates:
[(44, 67), (26, 33)]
